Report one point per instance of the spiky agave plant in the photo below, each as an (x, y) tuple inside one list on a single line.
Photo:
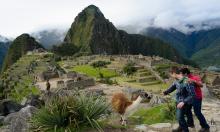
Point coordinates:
[(90, 108), (65, 114), (57, 116)]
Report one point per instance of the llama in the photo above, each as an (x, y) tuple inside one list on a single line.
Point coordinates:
[(122, 105)]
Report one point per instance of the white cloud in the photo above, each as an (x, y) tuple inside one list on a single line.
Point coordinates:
[(19, 16)]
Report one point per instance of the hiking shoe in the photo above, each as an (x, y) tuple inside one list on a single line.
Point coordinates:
[(204, 130), (179, 129)]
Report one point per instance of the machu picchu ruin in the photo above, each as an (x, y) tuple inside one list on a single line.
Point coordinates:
[(153, 67)]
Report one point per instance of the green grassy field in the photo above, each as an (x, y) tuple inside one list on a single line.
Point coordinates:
[(152, 115), (93, 72)]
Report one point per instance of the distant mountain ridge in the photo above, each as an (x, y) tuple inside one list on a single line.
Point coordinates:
[(4, 45), (92, 33), (201, 46)]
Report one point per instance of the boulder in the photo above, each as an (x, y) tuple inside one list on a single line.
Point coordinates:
[(9, 106), (34, 100), (131, 91), (17, 122), (157, 100), (1, 120)]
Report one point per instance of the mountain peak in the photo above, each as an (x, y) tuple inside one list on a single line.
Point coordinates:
[(91, 10), (24, 35)]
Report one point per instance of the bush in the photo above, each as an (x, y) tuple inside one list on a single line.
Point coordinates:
[(99, 64), (169, 111), (129, 69), (65, 49), (107, 80), (70, 114)]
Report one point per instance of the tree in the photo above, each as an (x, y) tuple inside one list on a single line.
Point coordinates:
[(129, 69)]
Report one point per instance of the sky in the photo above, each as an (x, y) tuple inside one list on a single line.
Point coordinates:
[(25, 16)]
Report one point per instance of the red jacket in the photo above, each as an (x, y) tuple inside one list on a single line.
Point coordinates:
[(198, 89)]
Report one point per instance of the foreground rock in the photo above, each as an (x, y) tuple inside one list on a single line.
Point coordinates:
[(17, 122), (9, 106)]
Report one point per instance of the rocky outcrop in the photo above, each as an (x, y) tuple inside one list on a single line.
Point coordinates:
[(155, 100), (17, 122), (9, 106), (34, 100)]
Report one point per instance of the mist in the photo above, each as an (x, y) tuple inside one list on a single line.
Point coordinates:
[(28, 16)]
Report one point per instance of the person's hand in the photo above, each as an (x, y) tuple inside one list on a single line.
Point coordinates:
[(165, 93), (180, 105)]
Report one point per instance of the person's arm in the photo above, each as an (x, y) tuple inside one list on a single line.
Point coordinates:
[(170, 89)]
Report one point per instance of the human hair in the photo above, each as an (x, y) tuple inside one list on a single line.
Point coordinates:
[(185, 70), (175, 69)]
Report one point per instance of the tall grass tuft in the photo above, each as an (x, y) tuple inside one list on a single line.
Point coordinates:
[(67, 114)]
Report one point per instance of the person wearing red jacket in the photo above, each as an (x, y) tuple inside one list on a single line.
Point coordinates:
[(197, 101)]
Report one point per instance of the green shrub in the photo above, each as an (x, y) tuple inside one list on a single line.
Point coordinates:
[(129, 69), (108, 80), (65, 114), (99, 64), (65, 49), (169, 111)]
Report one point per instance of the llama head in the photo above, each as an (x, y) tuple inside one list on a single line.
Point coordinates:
[(145, 95), (142, 94)]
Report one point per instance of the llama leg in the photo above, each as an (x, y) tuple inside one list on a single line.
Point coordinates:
[(121, 119), (124, 121)]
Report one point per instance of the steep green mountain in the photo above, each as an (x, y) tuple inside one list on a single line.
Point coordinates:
[(4, 44), (92, 33), (200, 46), (209, 56), (19, 47), (172, 36)]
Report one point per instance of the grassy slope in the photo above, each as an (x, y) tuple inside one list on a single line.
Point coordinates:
[(22, 87), (210, 55), (152, 115), (93, 72), (19, 83)]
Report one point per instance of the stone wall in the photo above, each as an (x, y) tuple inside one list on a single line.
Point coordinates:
[(71, 84), (47, 75)]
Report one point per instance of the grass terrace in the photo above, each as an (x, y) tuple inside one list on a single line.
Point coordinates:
[(94, 72)]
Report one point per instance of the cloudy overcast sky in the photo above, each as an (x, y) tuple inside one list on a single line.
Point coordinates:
[(20, 16)]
